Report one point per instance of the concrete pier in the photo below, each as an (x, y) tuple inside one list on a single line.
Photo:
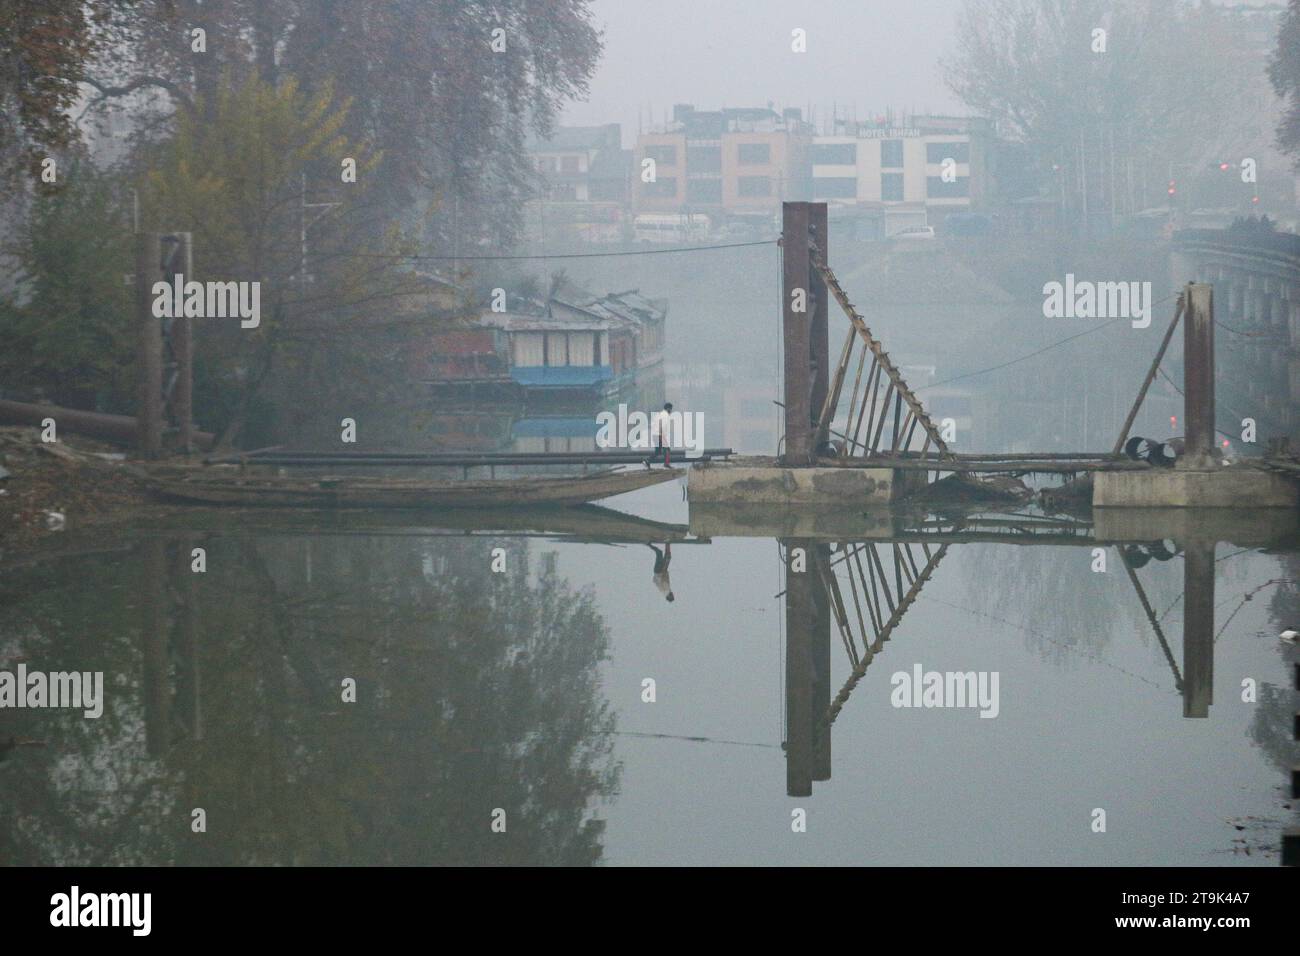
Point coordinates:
[(765, 482), (1218, 487)]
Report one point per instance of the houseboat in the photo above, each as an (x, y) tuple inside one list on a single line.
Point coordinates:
[(572, 345)]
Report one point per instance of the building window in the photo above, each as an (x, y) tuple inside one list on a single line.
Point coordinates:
[(754, 185), (891, 153), (891, 187), (582, 348), (557, 349), (754, 154), (704, 159), (529, 349), (704, 190), (938, 152), (835, 187), (662, 155), (661, 188), (568, 164), (834, 154), (936, 188)]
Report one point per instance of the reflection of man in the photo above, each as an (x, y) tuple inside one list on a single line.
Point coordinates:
[(662, 428), (662, 560)]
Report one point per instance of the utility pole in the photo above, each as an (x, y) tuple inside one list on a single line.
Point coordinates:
[(324, 207)]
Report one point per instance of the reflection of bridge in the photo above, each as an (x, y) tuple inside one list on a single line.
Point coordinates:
[(865, 587)]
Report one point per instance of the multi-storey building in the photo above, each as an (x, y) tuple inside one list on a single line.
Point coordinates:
[(725, 164), (912, 173)]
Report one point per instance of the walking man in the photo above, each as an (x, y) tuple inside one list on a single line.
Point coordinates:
[(662, 560), (661, 427)]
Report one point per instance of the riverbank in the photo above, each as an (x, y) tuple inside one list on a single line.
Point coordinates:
[(51, 489)]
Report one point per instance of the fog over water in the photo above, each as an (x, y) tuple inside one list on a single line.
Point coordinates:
[(654, 678)]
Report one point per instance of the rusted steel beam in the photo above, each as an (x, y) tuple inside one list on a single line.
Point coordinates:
[(1151, 377), (1198, 377), (796, 328), (990, 467), (819, 327), (896, 379), (831, 399)]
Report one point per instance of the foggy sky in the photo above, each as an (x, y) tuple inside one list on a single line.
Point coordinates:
[(713, 53)]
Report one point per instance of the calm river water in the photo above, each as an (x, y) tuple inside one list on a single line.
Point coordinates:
[(519, 696)]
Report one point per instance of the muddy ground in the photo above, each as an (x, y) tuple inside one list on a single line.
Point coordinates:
[(58, 489)]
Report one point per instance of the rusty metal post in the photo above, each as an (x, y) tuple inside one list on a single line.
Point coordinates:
[(183, 351), (1198, 628), (1198, 377), (821, 667), (800, 716), (796, 325), (148, 355), (819, 330)]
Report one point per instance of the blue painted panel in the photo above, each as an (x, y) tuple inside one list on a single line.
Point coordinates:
[(567, 376)]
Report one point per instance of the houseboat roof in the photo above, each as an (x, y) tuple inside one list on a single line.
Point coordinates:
[(571, 307)]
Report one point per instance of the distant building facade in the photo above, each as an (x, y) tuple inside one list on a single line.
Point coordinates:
[(915, 172), (584, 174), (725, 164)]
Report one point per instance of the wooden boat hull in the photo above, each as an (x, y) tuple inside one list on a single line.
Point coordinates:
[(406, 493)]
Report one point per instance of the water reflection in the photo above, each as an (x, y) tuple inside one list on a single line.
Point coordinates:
[(475, 691), (479, 690), (864, 589)]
